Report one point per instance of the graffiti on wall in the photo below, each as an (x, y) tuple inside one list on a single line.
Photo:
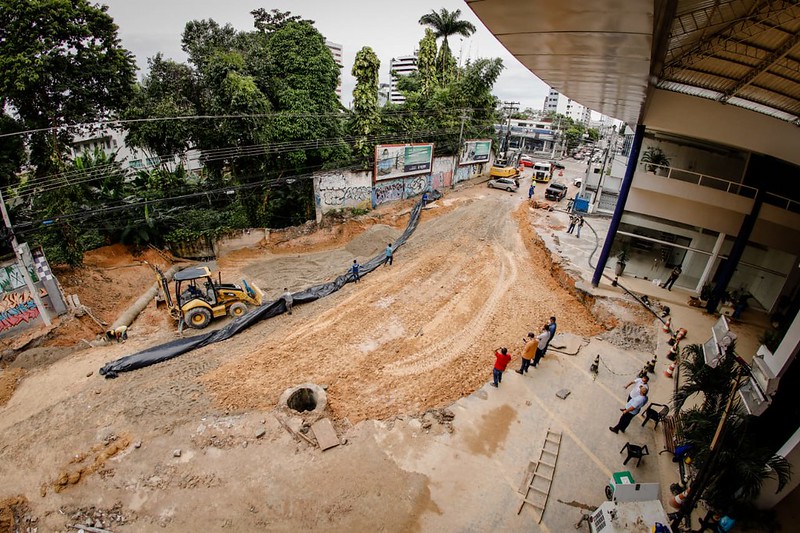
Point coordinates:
[(442, 175), (343, 189), (416, 185), (463, 173), (388, 191), (18, 308)]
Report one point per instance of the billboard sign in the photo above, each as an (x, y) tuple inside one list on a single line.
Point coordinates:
[(398, 160), (475, 152)]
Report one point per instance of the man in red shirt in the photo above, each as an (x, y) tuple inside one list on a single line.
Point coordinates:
[(501, 359)]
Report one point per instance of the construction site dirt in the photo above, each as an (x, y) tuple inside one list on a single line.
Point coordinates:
[(196, 442)]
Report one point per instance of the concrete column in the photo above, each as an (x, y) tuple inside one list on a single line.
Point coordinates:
[(710, 263), (737, 251), (624, 189)]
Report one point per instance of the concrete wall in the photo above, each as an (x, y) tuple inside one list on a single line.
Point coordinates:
[(18, 311), (701, 118), (340, 189)]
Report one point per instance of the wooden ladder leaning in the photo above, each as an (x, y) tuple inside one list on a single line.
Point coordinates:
[(539, 476)]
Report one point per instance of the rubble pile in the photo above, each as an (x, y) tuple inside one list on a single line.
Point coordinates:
[(630, 336)]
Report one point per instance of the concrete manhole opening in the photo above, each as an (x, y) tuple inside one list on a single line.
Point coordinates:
[(302, 400)]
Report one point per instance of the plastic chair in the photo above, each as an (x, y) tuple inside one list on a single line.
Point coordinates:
[(634, 452), (657, 412)]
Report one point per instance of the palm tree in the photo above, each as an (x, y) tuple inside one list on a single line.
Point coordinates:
[(742, 460), (444, 24)]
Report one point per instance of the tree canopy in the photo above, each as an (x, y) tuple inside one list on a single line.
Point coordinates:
[(61, 63)]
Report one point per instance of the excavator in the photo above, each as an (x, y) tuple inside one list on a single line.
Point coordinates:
[(198, 298)]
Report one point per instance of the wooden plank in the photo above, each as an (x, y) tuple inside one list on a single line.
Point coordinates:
[(325, 434)]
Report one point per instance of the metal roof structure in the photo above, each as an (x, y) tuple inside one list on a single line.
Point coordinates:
[(609, 54)]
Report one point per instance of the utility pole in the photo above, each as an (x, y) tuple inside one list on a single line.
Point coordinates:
[(511, 107), (458, 149), (610, 149), (21, 265), (555, 136)]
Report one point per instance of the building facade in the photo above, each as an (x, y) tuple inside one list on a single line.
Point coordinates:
[(400, 66), (556, 102), (336, 51)]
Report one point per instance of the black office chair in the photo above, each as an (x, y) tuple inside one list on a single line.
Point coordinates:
[(634, 452), (657, 412)]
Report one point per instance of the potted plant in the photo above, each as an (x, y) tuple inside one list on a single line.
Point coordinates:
[(622, 260), (654, 158)]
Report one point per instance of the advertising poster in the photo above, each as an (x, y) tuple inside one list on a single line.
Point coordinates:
[(475, 152), (398, 160)]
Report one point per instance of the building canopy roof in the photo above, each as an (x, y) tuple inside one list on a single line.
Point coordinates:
[(608, 54)]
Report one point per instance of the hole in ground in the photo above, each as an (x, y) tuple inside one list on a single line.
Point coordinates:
[(302, 400)]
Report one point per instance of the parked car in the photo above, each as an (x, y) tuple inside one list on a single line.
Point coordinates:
[(555, 191), (557, 165), (525, 161), (578, 181), (507, 184)]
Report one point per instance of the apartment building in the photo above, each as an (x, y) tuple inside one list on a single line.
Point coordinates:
[(400, 66), (558, 103), (336, 51)]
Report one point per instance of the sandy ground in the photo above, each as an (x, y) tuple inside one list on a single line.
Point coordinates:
[(196, 442)]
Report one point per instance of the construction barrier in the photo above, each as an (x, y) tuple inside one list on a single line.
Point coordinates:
[(678, 499)]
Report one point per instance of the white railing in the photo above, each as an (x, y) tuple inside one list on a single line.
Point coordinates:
[(782, 202), (697, 178)]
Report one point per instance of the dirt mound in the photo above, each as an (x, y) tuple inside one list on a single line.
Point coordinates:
[(15, 515), (9, 379), (372, 241)]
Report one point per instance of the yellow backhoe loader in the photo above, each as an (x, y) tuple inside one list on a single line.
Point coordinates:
[(199, 298)]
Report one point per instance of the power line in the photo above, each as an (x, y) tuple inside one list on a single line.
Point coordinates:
[(280, 114)]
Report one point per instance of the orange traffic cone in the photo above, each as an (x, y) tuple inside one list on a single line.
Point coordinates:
[(670, 370), (560, 172), (678, 499), (681, 334), (667, 325)]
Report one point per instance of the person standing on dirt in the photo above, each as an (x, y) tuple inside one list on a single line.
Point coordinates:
[(543, 339), (389, 255), (578, 227), (501, 360), (528, 352), (531, 190), (424, 199), (355, 269), (288, 299)]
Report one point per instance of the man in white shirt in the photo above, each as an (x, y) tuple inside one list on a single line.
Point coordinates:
[(631, 409), (637, 383), (543, 338)]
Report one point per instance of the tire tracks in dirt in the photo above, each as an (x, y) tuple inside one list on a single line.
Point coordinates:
[(451, 347)]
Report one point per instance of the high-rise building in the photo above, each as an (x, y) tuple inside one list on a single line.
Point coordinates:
[(562, 105), (400, 66), (336, 50)]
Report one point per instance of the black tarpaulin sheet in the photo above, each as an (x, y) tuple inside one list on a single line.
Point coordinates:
[(166, 351)]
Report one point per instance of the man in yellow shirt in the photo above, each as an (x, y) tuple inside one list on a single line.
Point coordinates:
[(528, 353)]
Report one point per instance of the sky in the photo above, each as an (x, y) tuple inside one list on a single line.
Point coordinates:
[(391, 29)]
